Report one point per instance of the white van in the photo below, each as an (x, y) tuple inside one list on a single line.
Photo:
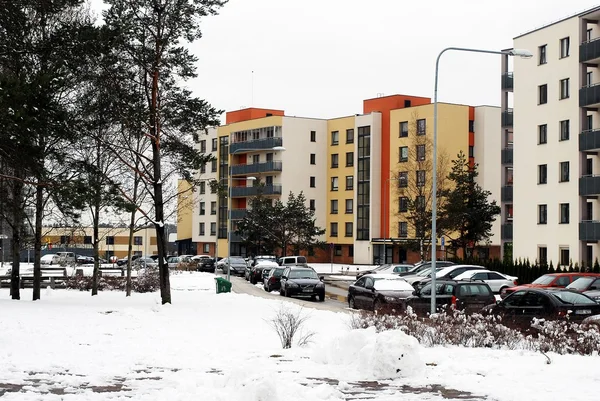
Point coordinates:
[(50, 259), (292, 261)]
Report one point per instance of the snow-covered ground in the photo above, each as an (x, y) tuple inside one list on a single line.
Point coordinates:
[(337, 268), (71, 346)]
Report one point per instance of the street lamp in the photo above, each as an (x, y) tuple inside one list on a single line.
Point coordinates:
[(385, 215), (514, 52), (229, 200)]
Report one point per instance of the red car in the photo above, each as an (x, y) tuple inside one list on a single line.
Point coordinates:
[(553, 280)]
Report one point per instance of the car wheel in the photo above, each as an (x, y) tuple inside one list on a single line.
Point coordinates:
[(501, 288), (322, 298), (351, 303), (287, 294), (280, 292)]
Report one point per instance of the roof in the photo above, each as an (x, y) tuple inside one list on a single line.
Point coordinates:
[(578, 14)]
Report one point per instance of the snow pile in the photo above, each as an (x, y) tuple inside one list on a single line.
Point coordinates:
[(192, 281), (385, 355)]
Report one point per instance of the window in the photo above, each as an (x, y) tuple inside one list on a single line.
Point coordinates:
[(349, 206), (564, 213), (420, 203), (202, 209), (564, 256), (542, 214), (509, 212), (349, 159), (403, 229), (203, 146), (363, 183), (420, 153), (564, 172), (335, 162), (349, 182), (138, 240), (255, 159), (421, 178), (268, 181), (403, 204), (349, 229), (333, 230), (542, 134), (334, 206), (403, 179), (87, 239), (542, 174), (543, 254), (588, 78), (213, 208), (471, 126), (403, 154), (588, 35), (213, 166), (335, 137), (564, 88), (213, 228), (421, 127), (543, 94), (589, 123), (337, 250), (404, 129), (313, 181), (542, 54), (206, 248), (213, 188), (312, 203), (564, 47), (334, 183), (350, 136), (313, 158), (313, 136), (564, 130), (201, 229), (203, 168), (202, 187)]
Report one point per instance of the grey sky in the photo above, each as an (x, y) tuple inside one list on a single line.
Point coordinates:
[(321, 58)]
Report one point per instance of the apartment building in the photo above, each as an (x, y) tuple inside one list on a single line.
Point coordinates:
[(348, 169), (556, 140)]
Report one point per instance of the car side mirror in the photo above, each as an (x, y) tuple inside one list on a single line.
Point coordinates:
[(322, 278), (415, 293)]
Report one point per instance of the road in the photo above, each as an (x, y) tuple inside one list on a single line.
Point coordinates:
[(241, 286)]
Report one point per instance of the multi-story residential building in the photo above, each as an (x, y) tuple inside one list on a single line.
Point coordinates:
[(346, 168), (556, 142)]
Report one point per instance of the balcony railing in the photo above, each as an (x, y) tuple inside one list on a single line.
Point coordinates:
[(257, 144), (507, 156), (589, 51), (507, 193), (589, 140), (589, 96), (507, 81), (506, 231), (589, 185), (239, 192), (507, 118), (256, 168), (589, 230), (238, 214)]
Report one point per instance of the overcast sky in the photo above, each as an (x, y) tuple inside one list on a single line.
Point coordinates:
[(321, 58)]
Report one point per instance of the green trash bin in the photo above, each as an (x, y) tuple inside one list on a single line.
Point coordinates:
[(222, 285)]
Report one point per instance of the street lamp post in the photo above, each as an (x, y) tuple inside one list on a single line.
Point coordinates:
[(386, 195), (514, 52), (229, 200)]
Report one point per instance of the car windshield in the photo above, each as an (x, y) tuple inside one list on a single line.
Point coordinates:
[(581, 283), (278, 272), (304, 273), (573, 298), (544, 280), (424, 273), (382, 267), (385, 284)]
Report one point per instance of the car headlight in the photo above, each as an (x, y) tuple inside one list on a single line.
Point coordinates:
[(292, 284), (390, 299), (320, 285)]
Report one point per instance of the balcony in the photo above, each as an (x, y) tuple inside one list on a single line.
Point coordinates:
[(256, 168), (589, 185), (507, 193), (589, 52), (589, 230), (506, 231), (507, 81), (238, 214), (589, 96), (242, 192), (507, 156), (507, 118), (589, 140), (254, 145)]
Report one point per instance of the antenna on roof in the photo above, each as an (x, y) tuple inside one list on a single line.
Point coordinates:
[(380, 94)]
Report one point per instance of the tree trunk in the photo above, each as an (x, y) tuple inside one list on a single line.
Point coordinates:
[(130, 250), (17, 215), (37, 253), (96, 219)]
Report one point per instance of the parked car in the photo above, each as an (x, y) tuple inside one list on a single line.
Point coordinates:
[(205, 264), (549, 303), (385, 269), (272, 282), (258, 258), (470, 296), (293, 261), (372, 291), (237, 263), (68, 258), (50, 259), (123, 261), (173, 261), (84, 259), (584, 284), (144, 263), (302, 281), (497, 281), (257, 272), (449, 273), (552, 280), (426, 266)]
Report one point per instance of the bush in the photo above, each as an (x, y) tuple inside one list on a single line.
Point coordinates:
[(476, 330), (146, 281), (288, 325)]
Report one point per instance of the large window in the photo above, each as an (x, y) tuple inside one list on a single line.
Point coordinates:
[(542, 214), (364, 184), (138, 240), (349, 182), (421, 127), (403, 151), (564, 88), (201, 229), (334, 183), (202, 209), (543, 94), (543, 254), (403, 179), (564, 130), (564, 47), (335, 160), (403, 229), (404, 129), (542, 54), (335, 137), (349, 159), (313, 158), (213, 208), (313, 182), (403, 204), (564, 256), (421, 178), (421, 153), (350, 136), (333, 232), (564, 172), (334, 206), (542, 134), (349, 229), (349, 206), (542, 174), (564, 213)]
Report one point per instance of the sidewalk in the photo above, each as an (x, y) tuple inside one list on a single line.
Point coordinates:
[(333, 291)]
